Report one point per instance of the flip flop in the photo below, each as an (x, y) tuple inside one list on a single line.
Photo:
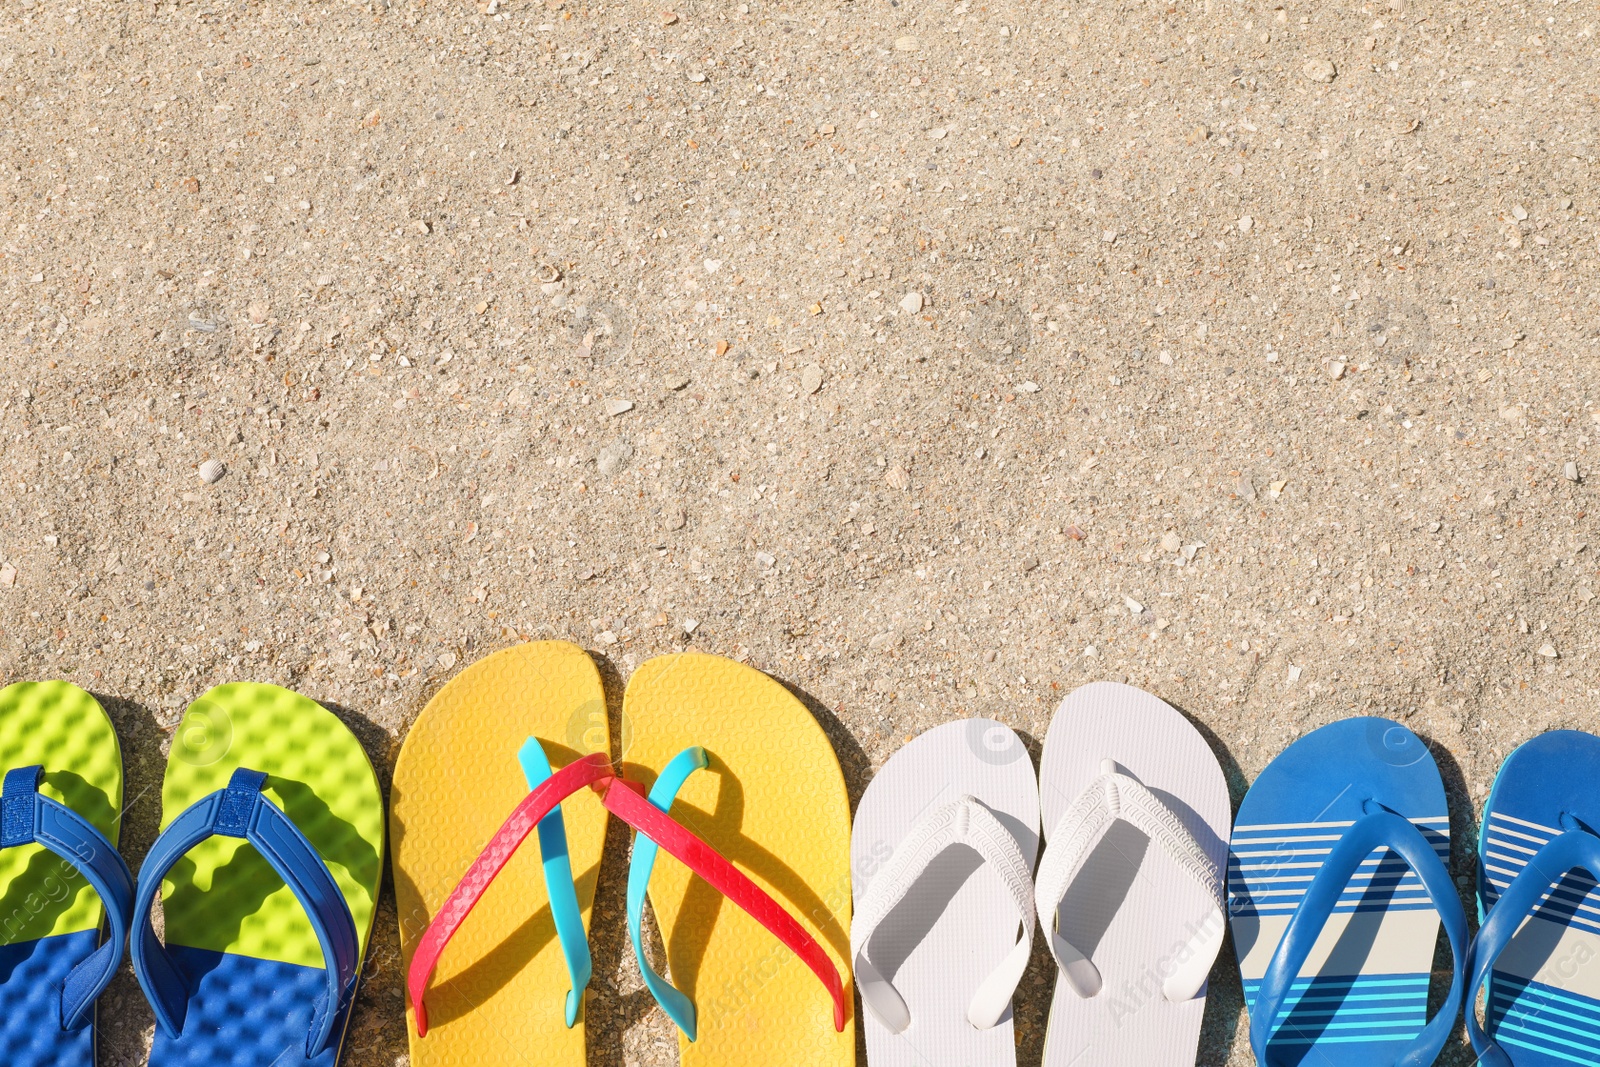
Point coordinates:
[(61, 878), (1337, 886), (657, 830), (770, 799), (511, 987), (1539, 943), (1130, 886), (942, 854), (263, 945)]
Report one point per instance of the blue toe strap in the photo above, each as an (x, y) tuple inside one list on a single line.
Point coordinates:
[(1380, 829), (558, 883), (677, 1006), (1574, 848), (27, 817), (241, 810)]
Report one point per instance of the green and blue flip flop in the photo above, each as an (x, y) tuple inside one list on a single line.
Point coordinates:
[(268, 864), (61, 879)]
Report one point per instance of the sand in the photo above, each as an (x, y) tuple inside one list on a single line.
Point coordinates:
[(935, 359)]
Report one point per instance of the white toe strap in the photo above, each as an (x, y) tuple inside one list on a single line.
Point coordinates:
[(1113, 796), (963, 821)]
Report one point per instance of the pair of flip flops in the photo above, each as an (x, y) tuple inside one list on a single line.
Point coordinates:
[(744, 788), (263, 945), (1129, 890), (1339, 884)]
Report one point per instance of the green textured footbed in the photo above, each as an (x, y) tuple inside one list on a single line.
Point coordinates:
[(60, 727), (223, 896)]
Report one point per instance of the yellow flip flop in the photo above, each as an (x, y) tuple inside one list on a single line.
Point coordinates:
[(770, 797), (509, 988)]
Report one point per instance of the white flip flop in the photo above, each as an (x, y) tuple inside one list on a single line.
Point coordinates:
[(942, 857), (1130, 888)]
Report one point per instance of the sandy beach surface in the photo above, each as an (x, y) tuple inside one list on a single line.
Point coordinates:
[(934, 358)]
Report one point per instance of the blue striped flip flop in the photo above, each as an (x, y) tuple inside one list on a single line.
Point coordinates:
[(1539, 945), (1337, 885)]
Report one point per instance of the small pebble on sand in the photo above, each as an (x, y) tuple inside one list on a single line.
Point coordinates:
[(1319, 70)]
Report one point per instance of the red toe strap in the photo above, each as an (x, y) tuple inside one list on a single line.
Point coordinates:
[(574, 776), (629, 805)]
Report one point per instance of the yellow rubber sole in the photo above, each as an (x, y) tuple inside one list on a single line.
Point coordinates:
[(499, 993), (773, 802)]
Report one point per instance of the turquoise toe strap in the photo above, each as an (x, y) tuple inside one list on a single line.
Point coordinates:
[(677, 1006), (558, 882)]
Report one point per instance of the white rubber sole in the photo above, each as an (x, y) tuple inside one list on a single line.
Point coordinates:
[(1131, 909), (959, 922)]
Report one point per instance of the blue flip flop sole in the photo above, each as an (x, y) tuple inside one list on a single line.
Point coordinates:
[(31, 976), (1362, 997), (1543, 1005), (244, 1011)]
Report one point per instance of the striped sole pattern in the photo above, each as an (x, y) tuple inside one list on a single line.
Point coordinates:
[(1271, 866), (1523, 1013), (1351, 1009), (1543, 1019), (1508, 845)]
